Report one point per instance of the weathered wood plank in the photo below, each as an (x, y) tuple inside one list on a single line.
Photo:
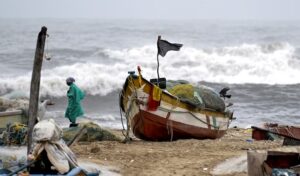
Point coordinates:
[(35, 84)]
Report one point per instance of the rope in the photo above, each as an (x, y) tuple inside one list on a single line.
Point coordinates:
[(121, 115), (127, 112), (170, 128), (170, 123), (290, 133), (47, 56)]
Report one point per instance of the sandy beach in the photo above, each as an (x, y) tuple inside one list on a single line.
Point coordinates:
[(181, 157)]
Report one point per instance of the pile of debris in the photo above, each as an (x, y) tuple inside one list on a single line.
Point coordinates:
[(49, 154), (275, 162)]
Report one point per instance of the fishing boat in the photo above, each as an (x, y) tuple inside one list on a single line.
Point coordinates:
[(15, 116), (168, 118)]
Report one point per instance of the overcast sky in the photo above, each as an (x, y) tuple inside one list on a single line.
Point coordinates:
[(153, 9)]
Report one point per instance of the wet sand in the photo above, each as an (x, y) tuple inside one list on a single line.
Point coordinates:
[(181, 157)]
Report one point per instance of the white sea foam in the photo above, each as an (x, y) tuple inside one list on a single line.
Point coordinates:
[(274, 63), (248, 63)]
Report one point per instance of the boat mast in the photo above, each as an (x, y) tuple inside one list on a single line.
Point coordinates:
[(159, 37)]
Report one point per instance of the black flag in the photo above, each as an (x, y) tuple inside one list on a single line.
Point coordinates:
[(164, 46)]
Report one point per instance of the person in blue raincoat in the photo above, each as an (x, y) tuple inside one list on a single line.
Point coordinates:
[(75, 95)]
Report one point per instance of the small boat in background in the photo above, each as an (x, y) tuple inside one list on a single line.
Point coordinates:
[(291, 134), (15, 116), (154, 114)]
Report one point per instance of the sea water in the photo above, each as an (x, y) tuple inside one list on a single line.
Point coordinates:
[(258, 60)]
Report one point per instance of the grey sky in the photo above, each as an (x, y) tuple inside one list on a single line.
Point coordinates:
[(153, 9)]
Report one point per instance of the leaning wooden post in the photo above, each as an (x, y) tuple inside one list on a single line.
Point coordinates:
[(35, 84)]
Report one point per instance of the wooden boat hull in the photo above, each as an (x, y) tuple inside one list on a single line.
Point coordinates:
[(152, 127), (172, 119)]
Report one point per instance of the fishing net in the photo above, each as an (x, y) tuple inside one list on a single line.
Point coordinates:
[(92, 133), (14, 134), (198, 96)]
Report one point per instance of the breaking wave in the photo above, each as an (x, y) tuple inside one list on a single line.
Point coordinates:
[(248, 63), (275, 63)]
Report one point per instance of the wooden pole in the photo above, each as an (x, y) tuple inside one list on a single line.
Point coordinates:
[(35, 84), (158, 39), (157, 69)]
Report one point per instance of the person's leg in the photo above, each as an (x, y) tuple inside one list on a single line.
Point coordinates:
[(73, 122)]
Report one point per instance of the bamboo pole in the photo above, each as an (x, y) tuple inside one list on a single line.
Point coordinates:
[(35, 84)]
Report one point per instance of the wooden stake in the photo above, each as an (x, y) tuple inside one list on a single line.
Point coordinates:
[(35, 84), (157, 69)]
